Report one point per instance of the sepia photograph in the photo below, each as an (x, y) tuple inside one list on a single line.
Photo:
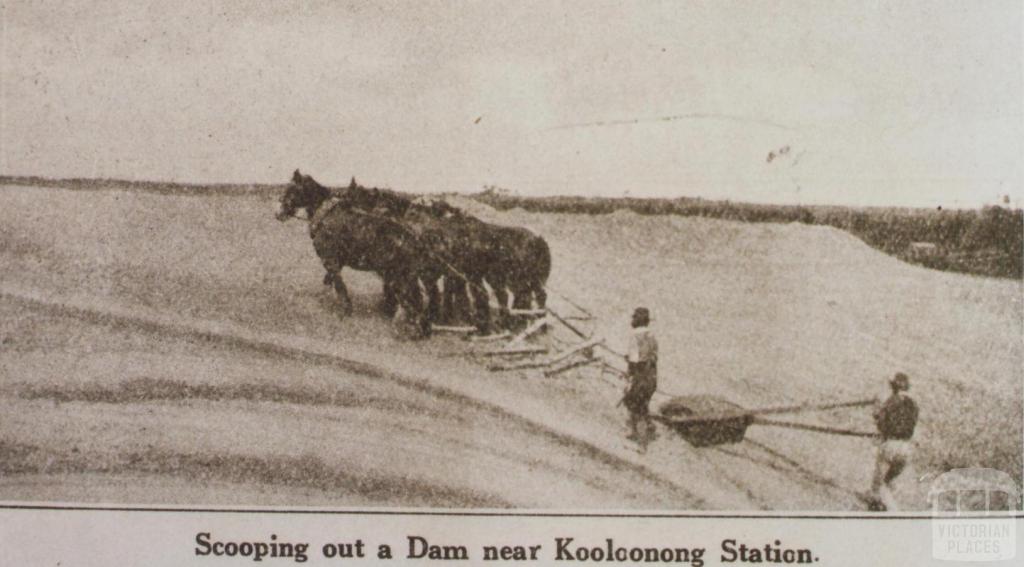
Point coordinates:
[(588, 257)]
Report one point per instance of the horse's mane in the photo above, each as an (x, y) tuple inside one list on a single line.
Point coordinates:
[(396, 202), (372, 198), (384, 200), (437, 209)]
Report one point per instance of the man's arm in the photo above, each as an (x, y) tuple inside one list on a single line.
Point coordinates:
[(633, 350), (881, 413)]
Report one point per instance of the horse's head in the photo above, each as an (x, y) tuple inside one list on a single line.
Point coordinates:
[(302, 193)]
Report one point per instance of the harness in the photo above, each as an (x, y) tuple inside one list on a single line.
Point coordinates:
[(321, 213), (316, 222)]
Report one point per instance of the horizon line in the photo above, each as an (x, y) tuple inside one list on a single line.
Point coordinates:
[(508, 193)]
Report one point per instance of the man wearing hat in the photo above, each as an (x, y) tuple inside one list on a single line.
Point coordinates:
[(895, 419), (642, 359)]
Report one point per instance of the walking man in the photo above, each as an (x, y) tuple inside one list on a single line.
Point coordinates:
[(642, 359), (895, 419)]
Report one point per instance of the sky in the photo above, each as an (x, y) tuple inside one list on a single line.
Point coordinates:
[(905, 103)]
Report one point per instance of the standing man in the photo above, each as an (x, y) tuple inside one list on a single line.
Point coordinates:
[(642, 359), (896, 420)]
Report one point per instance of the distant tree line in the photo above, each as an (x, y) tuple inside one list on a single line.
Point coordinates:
[(987, 241), (159, 187)]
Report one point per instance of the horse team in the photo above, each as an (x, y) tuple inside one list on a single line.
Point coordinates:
[(415, 248)]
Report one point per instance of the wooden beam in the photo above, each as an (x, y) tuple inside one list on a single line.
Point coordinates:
[(577, 364), (770, 411), (549, 362), (534, 328), (452, 329), (816, 428), (574, 304), (523, 366), (489, 338), (568, 325), (574, 349), (514, 351), (529, 312)]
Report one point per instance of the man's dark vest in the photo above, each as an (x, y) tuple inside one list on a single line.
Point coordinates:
[(898, 418)]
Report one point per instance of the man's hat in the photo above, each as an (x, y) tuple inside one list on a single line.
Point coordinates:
[(900, 381), (643, 314)]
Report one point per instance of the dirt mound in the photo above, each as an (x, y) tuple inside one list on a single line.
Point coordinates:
[(470, 206), (760, 315), (771, 314)]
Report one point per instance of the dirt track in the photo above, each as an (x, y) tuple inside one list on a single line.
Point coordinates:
[(260, 406)]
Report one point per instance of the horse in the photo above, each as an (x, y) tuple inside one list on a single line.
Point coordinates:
[(527, 265), (363, 239), (394, 205), (456, 251), (507, 258), (382, 231)]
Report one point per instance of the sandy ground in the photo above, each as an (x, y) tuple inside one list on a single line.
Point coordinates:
[(127, 407), (134, 408)]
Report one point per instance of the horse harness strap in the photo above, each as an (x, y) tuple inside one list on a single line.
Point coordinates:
[(321, 213)]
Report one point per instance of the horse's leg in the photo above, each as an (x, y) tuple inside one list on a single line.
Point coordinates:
[(411, 299), (540, 294), (535, 291), (482, 304), (342, 291), (447, 311), (501, 293), (389, 304), (456, 301), (430, 281), (444, 310), (521, 297), (463, 301), (520, 300), (333, 268)]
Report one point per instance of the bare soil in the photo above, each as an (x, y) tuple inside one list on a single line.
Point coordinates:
[(182, 350)]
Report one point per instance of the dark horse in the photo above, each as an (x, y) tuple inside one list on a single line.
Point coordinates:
[(356, 229), (385, 232), (507, 258)]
